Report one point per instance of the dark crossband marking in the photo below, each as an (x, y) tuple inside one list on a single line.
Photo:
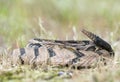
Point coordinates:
[(21, 60), (51, 52), (90, 48), (78, 55), (22, 51), (34, 45), (76, 52), (70, 42), (36, 51)]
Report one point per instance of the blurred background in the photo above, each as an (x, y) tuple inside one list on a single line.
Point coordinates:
[(21, 20)]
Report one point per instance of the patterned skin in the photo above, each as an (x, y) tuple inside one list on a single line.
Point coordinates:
[(65, 53)]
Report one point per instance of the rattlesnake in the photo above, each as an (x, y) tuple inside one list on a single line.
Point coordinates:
[(82, 53)]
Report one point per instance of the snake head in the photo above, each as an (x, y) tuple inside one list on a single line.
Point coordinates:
[(99, 41)]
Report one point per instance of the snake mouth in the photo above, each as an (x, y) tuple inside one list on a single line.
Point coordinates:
[(99, 41)]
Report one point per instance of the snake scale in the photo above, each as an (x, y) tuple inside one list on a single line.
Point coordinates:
[(84, 53)]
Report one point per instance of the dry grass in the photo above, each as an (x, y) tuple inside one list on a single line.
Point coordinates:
[(101, 73), (21, 20)]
